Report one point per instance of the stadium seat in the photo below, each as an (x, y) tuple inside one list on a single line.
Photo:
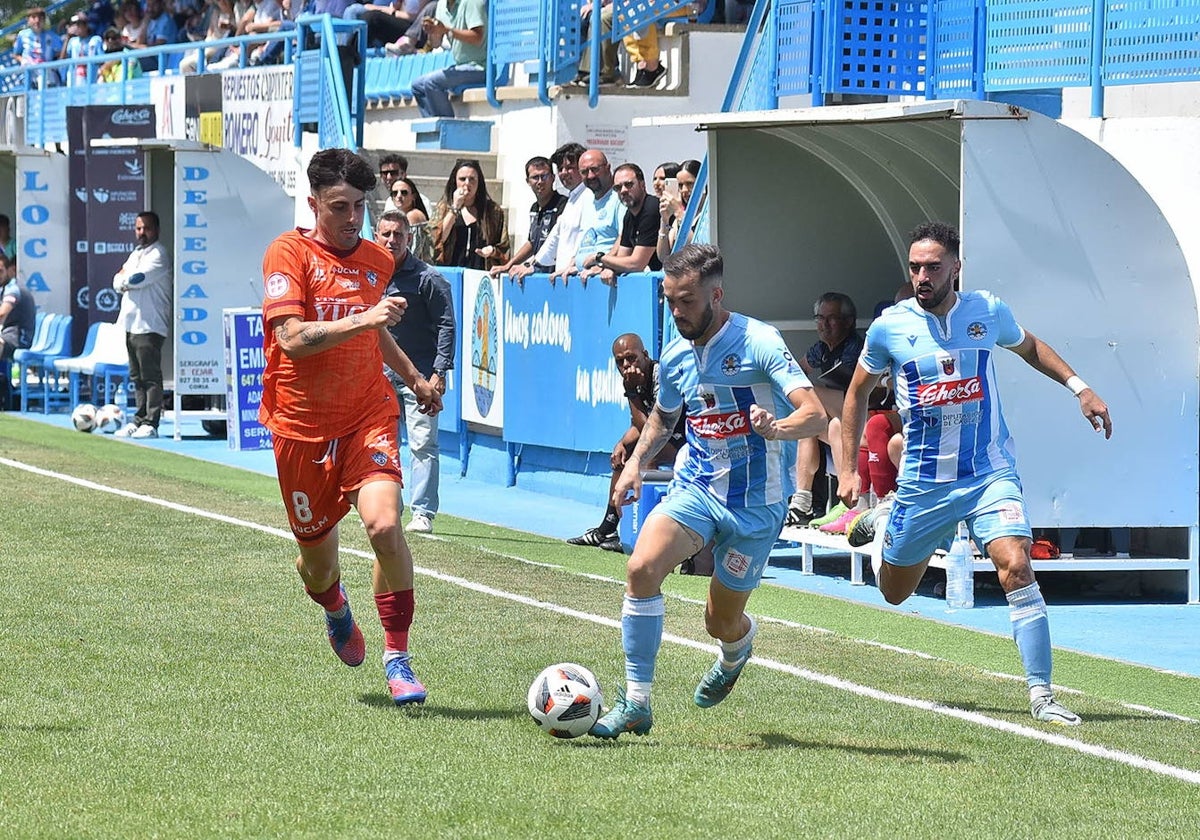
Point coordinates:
[(51, 341), (107, 348), (108, 379)]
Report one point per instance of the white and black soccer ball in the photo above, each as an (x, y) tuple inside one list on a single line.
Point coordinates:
[(84, 417), (564, 700), (110, 418)]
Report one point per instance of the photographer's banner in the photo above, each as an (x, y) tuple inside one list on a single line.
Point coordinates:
[(562, 388), (480, 360)]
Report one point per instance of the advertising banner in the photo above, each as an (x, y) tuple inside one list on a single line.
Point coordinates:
[(256, 107), (451, 414), (244, 363), (80, 308), (43, 237), (561, 386), (116, 184), (481, 357), (202, 108)]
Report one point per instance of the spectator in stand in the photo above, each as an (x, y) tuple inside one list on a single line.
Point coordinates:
[(559, 248), (600, 221), (160, 30), (193, 21), (273, 51), (608, 50), (472, 231), (37, 44), (117, 69), (634, 251), (463, 23), (407, 200), (385, 23), (263, 17), (392, 167), (82, 44), (547, 206), (133, 25), (658, 181), (18, 321), (415, 37), (222, 23), (100, 14), (7, 243), (673, 205), (639, 375), (426, 335), (829, 364)]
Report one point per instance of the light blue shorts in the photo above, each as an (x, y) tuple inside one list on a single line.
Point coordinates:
[(743, 537), (923, 519)]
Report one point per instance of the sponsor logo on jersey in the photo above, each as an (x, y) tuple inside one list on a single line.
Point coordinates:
[(730, 364), (950, 393), (976, 330), (350, 285), (948, 366), (733, 424), (341, 269), (912, 340), (276, 285)]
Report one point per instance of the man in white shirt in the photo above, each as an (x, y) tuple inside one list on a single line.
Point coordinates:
[(145, 284), (559, 248)]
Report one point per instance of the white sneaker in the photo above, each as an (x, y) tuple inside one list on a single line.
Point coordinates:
[(1045, 708), (144, 431), (126, 431), (420, 524)]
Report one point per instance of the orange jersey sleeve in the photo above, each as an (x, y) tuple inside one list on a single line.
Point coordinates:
[(331, 393)]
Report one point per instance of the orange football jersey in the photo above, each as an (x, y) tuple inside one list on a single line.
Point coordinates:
[(331, 393)]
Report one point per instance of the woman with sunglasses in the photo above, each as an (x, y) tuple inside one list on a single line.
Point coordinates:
[(408, 201), (471, 227)]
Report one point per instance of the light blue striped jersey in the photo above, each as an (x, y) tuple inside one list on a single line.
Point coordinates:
[(745, 363), (945, 384)]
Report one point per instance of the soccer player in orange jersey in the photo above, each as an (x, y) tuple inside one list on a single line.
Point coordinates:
[(331, 410)]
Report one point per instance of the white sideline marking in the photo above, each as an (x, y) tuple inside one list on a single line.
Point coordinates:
[(1118, 756)]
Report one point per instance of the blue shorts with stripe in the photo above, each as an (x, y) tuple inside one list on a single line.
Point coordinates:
[(742, 537), (923, 518)]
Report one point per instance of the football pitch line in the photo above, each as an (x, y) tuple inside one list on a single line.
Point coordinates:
[(1097, 751)]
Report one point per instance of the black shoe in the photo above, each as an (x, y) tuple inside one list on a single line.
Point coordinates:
[(797, 518), (595, 537), (613, 543), (648, 78)]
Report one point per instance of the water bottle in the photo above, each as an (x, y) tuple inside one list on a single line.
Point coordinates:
[(960, 573)]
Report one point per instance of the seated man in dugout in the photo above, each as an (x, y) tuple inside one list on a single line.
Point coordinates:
[(829, 364), (639, 373)]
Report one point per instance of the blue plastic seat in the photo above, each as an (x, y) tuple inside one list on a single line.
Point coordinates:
[(52, 394), (33, 362)]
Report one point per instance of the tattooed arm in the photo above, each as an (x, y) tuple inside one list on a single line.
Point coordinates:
[(300, 339)]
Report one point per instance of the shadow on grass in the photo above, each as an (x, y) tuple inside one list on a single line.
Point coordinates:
[(776, 741), (384, 701), (1110, 717)]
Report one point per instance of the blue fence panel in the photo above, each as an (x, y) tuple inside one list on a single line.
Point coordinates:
[(878, 47), (562, 38), (1033, 44), (561, 387), (515, 30), (794, 39), (1151, 41), (957, 49), (631, 16)]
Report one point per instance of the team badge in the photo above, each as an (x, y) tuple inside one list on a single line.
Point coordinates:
[(372, 277), (948, 366), (976, 330), (730, 364), (736, 563), (379, 458), (710, 400), (276, 285)]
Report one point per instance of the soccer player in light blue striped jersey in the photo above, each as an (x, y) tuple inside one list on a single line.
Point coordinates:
[(746, 401), (958, 462)]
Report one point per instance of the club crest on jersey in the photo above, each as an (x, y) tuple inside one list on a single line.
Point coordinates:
[(730, 364), (276, 285), (372, 277), (379, 458), (976, 330), (948, 366), (709, 400)]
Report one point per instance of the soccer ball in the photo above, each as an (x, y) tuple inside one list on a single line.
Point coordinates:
[(564, 700), (110, 418), (84, 417)]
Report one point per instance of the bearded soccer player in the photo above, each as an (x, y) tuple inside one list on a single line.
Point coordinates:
[(958, 462), (732, 376), (332, 412)]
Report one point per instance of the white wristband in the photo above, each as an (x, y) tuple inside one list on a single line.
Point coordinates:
[(1076, 385)]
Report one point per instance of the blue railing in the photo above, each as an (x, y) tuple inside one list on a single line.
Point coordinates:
[(321, 97)]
